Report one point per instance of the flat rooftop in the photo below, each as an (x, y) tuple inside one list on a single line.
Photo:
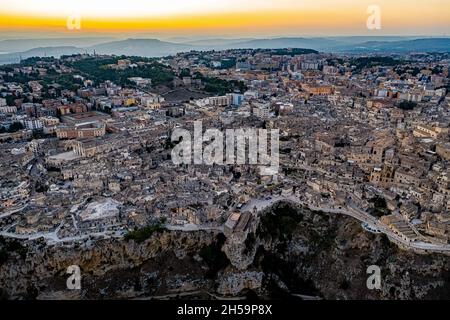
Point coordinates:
[(90, 116), (65, 156)]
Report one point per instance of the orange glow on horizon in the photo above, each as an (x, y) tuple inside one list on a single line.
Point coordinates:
[(348, 17)]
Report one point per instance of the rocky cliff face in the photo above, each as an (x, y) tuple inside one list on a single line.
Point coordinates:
[(312, 253), (108, 266), (289, 252)]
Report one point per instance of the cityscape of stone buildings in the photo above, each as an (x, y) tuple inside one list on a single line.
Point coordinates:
[(95, 161)]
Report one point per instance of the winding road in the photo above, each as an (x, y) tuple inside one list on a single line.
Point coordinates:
[(353, 211)]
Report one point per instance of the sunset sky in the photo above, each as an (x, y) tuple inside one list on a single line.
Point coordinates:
[(226, 17)]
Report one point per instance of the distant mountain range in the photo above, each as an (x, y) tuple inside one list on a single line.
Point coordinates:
[(416, 45), (20, 45), (141, 47), (21, 49), (39, 52)]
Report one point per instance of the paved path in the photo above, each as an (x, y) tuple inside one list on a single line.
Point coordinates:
[(7, 214), (192, 227), (53, 238), (353, 211), (260, 204)]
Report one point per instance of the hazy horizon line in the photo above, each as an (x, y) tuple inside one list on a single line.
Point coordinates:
[(205, 37)]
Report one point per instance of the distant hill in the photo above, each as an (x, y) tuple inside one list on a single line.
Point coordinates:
[(158, 48), (39, 52), (140, 47), (415, 45), (331, 44), (350, 40), (21, 45), (213, 42), (321, 44)]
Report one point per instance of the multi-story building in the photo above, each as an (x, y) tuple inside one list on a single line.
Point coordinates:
[(88, 130)]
